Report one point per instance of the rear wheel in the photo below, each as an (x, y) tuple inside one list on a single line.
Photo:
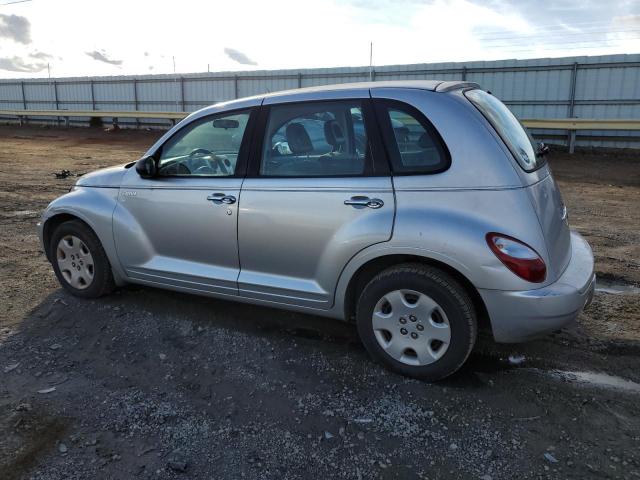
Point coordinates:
[(79, 261), (417, 320)]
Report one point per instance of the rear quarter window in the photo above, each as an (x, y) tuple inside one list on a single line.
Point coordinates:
[(512, 132), (413, 144)]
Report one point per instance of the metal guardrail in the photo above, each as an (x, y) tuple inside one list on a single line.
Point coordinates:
[(570, 124), (93, 113)]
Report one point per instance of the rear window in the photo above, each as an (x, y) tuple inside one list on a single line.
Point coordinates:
[(512, 132)]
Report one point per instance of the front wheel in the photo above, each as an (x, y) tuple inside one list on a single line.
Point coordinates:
[(79, 261), (417, 320)]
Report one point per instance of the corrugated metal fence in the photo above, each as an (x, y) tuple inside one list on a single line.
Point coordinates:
[(600, 87)]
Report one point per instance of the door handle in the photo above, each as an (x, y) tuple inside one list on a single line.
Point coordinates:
[(359, 201), (220, 198)]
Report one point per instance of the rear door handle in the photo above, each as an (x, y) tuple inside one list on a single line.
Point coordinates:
[(220, 198), (359, 201)]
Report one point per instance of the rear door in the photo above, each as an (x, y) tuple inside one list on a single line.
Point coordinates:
[(318, 192), (179, 228)]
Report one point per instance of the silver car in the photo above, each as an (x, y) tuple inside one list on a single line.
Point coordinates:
[(421, 211)]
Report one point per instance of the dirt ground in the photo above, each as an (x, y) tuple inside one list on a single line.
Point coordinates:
[(153, 384)]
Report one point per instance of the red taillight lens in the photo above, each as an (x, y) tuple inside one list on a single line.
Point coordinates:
[(518, 257)]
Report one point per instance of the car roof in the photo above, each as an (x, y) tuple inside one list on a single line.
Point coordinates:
[(431, 85), (348, 89)]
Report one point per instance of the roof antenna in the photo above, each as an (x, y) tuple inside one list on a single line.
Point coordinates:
[(371, 61)]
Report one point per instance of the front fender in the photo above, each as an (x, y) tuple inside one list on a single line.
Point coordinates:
[(95, 207)]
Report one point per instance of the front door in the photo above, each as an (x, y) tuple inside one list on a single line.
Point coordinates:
[(318, 192), (179, 228)]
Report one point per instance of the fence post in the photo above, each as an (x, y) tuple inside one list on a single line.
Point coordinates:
[(55, 95), (299, 80), (93, 96), (571, 140), (235, 86), (464, 73), (24, 103), (24, 99), (182, 94), (135, 100)]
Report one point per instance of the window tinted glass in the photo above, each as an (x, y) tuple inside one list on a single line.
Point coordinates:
[(416, 147), (314, 140), (508, 127), (209, 146)]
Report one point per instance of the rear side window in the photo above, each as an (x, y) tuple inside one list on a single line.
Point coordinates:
[(320, 139), (414, 146), (512, 132)]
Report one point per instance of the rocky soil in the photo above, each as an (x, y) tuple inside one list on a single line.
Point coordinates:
[(153, 384)]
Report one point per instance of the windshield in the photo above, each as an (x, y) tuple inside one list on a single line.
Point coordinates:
[(508, 127)]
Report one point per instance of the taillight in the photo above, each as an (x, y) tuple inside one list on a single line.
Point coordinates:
[(518, 257)]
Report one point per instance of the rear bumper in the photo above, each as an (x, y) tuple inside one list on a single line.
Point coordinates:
[(523, 315)]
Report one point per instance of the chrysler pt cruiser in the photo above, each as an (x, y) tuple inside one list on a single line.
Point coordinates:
[(421, 211)]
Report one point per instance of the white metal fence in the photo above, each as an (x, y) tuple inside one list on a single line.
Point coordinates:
[(603, 87)]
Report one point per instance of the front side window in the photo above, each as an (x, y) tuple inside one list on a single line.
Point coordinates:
[(414, 145), (206, 147), (514, 134), (315, 140)]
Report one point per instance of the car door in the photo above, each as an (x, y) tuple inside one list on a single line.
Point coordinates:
[(179, 228), (318, 191)]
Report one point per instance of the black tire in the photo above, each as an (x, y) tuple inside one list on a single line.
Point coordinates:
[(446, 292), (102, 283)]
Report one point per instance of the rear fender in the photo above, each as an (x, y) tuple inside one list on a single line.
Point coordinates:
[(452, 231)]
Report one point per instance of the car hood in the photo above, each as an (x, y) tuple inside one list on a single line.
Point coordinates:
[(106, 177)]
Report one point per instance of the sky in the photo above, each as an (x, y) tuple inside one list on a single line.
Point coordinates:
[(88, 38)]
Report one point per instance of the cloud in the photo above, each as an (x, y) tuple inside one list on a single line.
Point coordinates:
[(16, 28), (101, 56), (17, 64), (238, 56), (40, 55), (628, 21)]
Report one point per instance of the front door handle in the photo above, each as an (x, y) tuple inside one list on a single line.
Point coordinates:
[(220, 198), (359, 201)]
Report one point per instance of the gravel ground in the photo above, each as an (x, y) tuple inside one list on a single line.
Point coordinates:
[(153, 384)]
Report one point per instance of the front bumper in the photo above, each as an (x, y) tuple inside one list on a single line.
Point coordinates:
[(518, 316)]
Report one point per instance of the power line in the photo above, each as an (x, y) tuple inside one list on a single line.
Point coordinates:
[(556, 35), (558, 48), (14, 1), (559, 26), (559, 43)]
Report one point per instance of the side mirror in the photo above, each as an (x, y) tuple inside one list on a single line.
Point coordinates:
[(146, 167), (542, 150)]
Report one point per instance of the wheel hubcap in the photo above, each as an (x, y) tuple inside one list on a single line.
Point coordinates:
[(420, 341), (75, 262)]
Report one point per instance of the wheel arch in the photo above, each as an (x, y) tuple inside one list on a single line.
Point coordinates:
[(54, 222), (372, 267), (101, 228)]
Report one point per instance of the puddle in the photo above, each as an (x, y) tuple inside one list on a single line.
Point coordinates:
[(599, 380), (22, 213), (516, 359), (616, 288)]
